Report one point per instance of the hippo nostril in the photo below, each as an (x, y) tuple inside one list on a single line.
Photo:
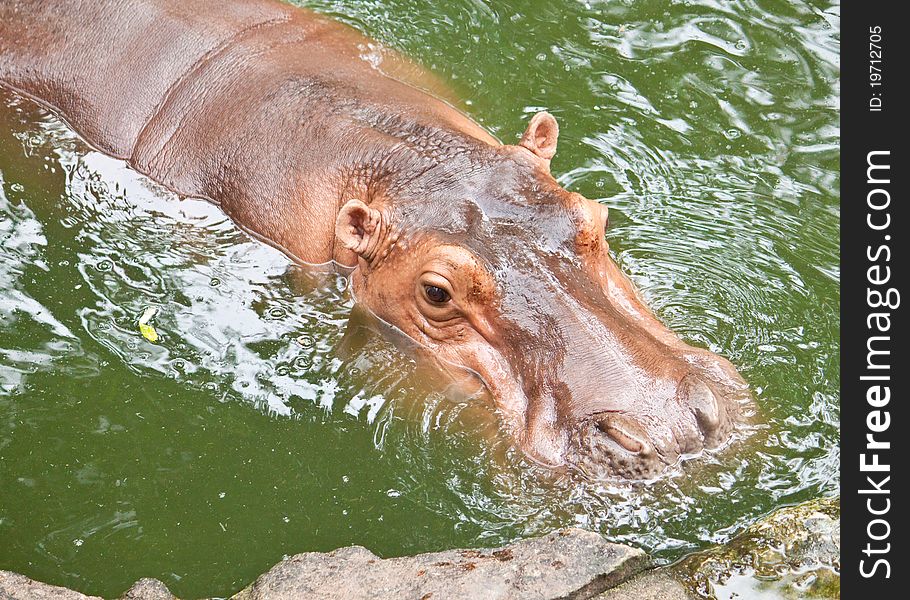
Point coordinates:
[(704, 405), (627, 432)]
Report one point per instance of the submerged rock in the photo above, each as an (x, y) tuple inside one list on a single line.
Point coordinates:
[(793, 553), (569, 564), (148, 589)]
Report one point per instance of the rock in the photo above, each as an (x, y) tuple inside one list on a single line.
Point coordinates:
[(793, 553), (148, 589), (567, 564), (19, 587), (653, 585)]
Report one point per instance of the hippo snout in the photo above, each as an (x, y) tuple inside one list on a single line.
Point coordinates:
[(641, 443)]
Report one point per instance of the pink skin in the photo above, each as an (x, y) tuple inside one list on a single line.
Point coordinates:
[(661, 397)]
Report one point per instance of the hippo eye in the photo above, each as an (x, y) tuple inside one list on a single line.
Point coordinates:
[(436, 294)]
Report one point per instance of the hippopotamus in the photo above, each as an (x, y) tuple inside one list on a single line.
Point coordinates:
[(340, 152)]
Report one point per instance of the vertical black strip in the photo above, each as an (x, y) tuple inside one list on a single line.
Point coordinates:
[(874, 423)]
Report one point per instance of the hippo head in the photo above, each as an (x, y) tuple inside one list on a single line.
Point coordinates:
[(487, 262)]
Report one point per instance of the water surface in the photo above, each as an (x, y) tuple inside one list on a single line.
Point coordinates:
[(268, 420)]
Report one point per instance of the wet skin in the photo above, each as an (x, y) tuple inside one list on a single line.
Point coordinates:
[(327, 146)]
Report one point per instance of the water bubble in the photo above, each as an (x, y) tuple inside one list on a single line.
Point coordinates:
[(214, 282), (104, 265)]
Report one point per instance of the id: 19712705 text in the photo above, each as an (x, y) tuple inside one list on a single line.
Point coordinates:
[(875, 68)]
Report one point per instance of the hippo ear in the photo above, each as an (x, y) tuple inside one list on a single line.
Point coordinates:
[(358, 228), (541, 134)]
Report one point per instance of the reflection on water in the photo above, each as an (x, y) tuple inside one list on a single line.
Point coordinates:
[(270, 420)]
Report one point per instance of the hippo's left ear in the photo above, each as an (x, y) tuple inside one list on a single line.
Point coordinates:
[(359, 228), (541, 135)]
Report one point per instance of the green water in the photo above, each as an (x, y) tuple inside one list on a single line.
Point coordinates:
[(267, 421)]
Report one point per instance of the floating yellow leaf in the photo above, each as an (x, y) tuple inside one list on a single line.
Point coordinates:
[(147, 331)]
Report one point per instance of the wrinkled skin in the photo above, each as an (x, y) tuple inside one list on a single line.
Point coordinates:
[(324, 144)]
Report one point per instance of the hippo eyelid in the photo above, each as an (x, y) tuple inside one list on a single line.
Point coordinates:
[(432, 278)]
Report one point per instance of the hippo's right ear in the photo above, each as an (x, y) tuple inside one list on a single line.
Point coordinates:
[(541, 135), (359, 228)]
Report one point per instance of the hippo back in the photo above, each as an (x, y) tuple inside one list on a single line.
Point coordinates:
[(107, 66)]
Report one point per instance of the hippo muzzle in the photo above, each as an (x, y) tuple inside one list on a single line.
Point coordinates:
[(608, 390), (642, 444)]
